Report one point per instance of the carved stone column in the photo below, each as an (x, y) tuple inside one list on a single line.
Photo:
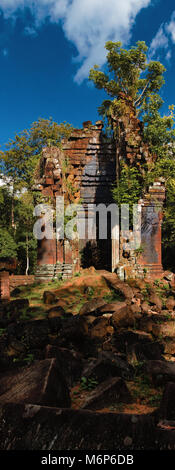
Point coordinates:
[(151, 239)]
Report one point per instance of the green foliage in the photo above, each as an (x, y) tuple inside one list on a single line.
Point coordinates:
[(128, 72), (113, 296), (129, 188), (19, 160), (138, 252), (5, 206), (8, 247), (131, 76), (88, 383), (18, 164), (29, 358)]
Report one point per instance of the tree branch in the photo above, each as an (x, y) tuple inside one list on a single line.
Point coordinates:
[(143, 91)]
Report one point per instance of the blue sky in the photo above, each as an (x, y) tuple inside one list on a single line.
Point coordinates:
[(48, 46)]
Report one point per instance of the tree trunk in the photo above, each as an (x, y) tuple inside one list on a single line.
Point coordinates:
[(12, 211), (27, 255)]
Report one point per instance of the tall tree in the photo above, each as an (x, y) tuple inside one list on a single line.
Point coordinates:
[(131, 73), (17, 166), (18, 161)]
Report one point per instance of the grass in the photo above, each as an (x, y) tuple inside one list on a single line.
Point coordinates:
[(143, 392), (113, 296), (73, 298), (88, 383)]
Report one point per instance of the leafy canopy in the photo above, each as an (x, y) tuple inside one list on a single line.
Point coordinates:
[(17, 198), (8, 246), (129, 72), (22, 153)]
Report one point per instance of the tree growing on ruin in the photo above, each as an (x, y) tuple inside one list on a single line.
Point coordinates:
[(127, 72), (130, 75)]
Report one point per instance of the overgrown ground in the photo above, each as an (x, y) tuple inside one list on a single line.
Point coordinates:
[(71, 296)]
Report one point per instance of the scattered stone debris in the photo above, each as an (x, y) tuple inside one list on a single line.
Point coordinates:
[(96, 349)]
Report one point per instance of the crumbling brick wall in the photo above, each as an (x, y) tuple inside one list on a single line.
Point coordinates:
[(93, 167), (17, 281), (90, 173), (4, 286)]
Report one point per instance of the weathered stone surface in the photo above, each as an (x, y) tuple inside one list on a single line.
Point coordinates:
[(164, 329), (145, 307), (167, 406), (29, 427), (74, 332), (92, 306), (170, 303), (49, 298), (56, 312), (33, 334), (108, 365), (70, 363), (135, 309), (169, 346), (114, 307), (110, 392), (138, 346), (55, 317), (129, 337), (90, 319), (161, 372), (101, 329), (123, 317), (92, 171), (147, 323), (154, 299), (41, 383), (120, 287)]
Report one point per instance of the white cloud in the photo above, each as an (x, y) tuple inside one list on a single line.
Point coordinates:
[(160, 41), (5, 52), (170, 28), (164, 39), (88, 24), (30, 31), (168, 55)]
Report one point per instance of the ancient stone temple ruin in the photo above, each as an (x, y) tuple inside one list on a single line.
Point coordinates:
[(84, 169)]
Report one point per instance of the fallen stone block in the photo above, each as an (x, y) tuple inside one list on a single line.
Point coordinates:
[(49, 298), (124, 317), (119, 286), (167, 405), (92, 306), (110, 392), (31, 427), (42, 384), (70, 363), (164, 329), (108, 366), (161, 372), (170, 303), (155, 300), (33, 334), (101, 329)]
